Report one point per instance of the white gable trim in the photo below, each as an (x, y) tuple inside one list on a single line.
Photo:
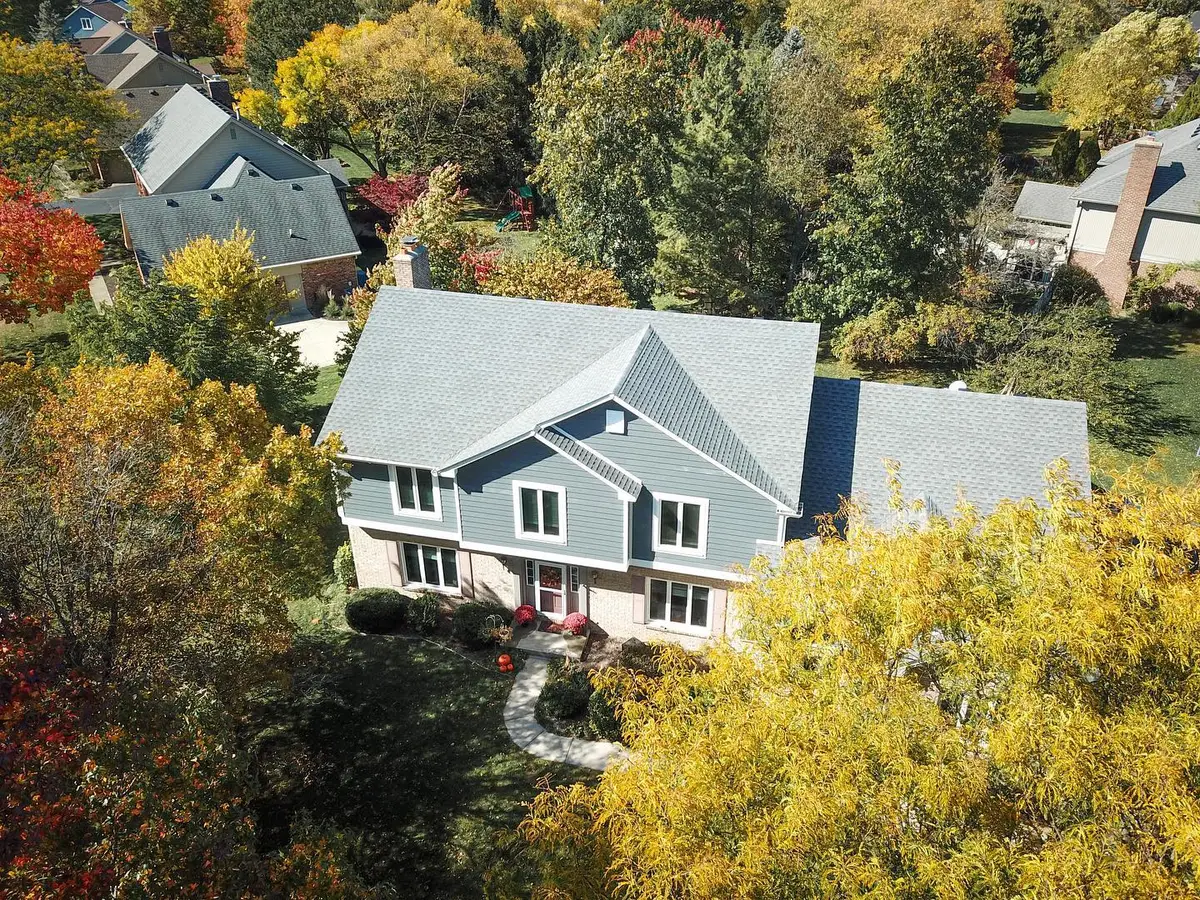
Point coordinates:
[(620, 493)]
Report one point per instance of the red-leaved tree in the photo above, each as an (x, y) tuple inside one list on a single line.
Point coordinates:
[(46, 255), (392, 194)]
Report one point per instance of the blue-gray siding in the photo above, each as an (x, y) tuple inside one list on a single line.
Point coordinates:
[(738, 516), (595, 526), (212, 159), (369, 498)]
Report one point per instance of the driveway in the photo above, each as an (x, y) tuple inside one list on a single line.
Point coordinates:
[(318, 338), (106, 201)]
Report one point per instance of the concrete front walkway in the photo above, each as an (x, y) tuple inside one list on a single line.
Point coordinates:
[(531, 737), (318, 341)]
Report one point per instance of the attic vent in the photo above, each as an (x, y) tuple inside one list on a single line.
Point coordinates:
[(614, 421), (297, 187), (232, 133), (291, 232), (153, 93), (129, 94), (172, 203), (215, 196), (252, 173)]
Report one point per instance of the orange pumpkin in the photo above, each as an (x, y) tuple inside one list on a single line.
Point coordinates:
[(504, 659), (509, 668)]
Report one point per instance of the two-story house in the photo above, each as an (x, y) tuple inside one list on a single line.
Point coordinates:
[(625, 463), (90, 16)]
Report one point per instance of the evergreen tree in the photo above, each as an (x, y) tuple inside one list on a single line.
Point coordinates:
[(721, 234), (201, 343), (1032, 41), (277, 29), (49, 23)]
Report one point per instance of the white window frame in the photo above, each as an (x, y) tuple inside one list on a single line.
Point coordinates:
[(442, 588), (530, 572), (85, 23), (573, 579), (678, 549), (417, 513), (614, 421), (686, 626), (519, 525)]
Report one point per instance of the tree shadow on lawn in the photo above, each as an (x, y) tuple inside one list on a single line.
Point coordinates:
[(401, 744)]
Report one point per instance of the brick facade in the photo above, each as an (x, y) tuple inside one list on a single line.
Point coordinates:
[(614, 601), (1116, 268), (320, 279)]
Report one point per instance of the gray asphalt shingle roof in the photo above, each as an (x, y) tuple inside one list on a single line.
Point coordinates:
[(104, 67), (1050, 203), (591, 460), (438, 377), (173, 135), (992, 447), (292, 221), (1176, 185)]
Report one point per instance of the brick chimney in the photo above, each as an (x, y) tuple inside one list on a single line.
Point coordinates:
[(411, 265), (219, 90), (1116, 269), (162, 40)]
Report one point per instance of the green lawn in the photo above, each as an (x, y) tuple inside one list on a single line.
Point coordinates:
[(1166, 359), (482, 217), (322, 396), (403, 747), (44, 336), (1030, 128)]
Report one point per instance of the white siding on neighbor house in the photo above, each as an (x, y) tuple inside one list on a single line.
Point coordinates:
[(1092, 231), (1168, 239)]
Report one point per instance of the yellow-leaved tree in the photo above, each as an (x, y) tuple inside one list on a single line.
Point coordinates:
[(552, 275), (225, 275), (992, 707), (870, 40), (1112, 85)]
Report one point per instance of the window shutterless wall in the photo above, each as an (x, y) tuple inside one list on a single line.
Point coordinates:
[(369, 499), (738, 516)]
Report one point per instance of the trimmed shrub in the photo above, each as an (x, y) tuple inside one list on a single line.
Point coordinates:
[(566, 693), (575, 623), (524, 614), (423, 612), (474, 623), (376, 610), (343, 566), (1088, 158), (640, 657), (603, 717)]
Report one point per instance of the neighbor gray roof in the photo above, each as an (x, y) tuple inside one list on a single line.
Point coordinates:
[(1050, 203), (104, 67), (292, 221), (439, 378), (334, 167), (993, 447), (590, 460), (1176, 185), (142, 103)]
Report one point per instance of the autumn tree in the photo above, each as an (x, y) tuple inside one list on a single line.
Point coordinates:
[(275, 30), (430, 86), (194, 26), (51, 109), (226, 277), (872, 40), (891, 227), (203, 344), (233, 16), (552, 275), (991, 707), (1111, 86), (161, 528), (46, 255)]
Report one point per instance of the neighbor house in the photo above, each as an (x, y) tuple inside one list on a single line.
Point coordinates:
[(1141, 207), (202, 170), (90, 16), (301, 234), (625, 463)]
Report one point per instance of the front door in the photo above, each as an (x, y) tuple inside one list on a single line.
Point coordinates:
[(550, 600)]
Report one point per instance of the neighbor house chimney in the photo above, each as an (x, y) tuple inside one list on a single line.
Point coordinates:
[(411, 265), (162, 40), (1116, 269), (218, 89)]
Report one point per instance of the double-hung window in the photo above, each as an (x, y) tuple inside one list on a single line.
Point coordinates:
[(681, 606), (540, 512), (680, 525), (415, 492), (430, 567)]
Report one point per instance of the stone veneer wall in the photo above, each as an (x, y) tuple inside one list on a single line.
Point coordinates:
[(319, 278), (492, 580), (370, 559)]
